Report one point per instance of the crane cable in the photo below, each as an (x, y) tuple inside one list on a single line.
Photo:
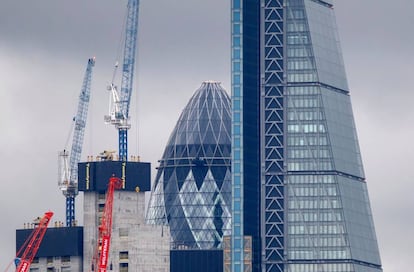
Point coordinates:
[(70, 133), (119, 48)]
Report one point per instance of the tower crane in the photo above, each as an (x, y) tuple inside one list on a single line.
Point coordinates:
[(68, 169), (100, 260), (120, 101), (32, 244)]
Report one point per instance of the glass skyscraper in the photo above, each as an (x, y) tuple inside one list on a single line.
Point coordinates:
[(298, 184), (192, 190)]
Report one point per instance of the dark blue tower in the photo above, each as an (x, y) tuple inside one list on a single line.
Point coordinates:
[(299, 190)]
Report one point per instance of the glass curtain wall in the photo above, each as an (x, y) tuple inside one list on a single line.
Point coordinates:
[(192, 190), (324, 230)]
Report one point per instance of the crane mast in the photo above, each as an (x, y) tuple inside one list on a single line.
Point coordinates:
[(32, 244), (105, 228), (119, 111), (68, 171)]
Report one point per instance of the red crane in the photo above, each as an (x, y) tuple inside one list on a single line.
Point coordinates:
[(100, 259), (32, 243)]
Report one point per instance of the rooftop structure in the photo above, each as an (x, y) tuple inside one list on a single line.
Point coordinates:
[(135, 246)]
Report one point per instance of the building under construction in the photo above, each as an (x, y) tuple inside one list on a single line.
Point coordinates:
[(114, 236), (135, 246)]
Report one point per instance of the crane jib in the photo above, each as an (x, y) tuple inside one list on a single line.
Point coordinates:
[(103, 261), (24, 266)]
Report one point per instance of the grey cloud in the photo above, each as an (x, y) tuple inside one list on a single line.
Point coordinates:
[(44, 46)]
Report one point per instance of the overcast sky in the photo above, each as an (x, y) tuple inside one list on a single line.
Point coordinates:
[(44, 47)]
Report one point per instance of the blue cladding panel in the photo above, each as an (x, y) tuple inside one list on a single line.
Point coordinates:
[(251, 126), (272, 129), (196, 260), (237, 136), (94, 176), (64, 241)]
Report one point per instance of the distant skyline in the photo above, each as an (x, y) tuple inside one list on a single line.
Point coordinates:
[(44, 47)]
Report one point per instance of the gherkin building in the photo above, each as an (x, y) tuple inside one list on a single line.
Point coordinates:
[(192, 188)]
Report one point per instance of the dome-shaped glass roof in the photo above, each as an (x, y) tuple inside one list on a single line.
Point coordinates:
[(192, 189)]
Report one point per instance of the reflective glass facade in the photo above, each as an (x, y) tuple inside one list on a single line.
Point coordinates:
[(299, 187), (192, 190)]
